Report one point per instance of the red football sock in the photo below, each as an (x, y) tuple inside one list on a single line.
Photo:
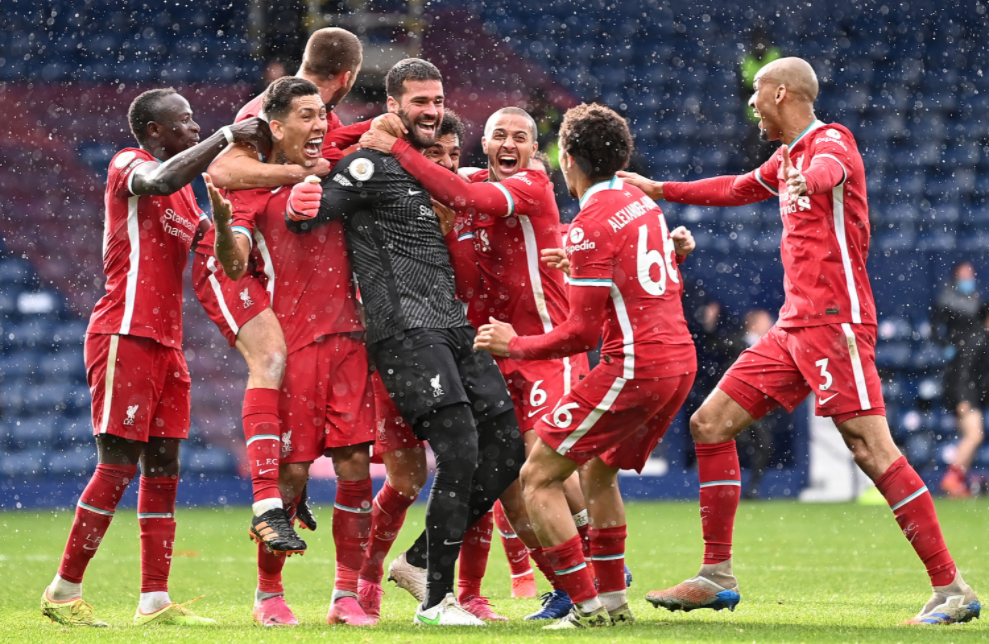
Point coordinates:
[(351, 529), (567, 561), (270, 565), (608, 554), (721, 486), (515, 550), (542, 562), (156, 516), (93, 515), (474, 557), (264, 441), (387, 517), (913, 508), (583, 531)]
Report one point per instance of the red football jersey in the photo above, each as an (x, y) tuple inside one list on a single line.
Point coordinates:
[(620, 241), (517, 287), (825, 235), (307, 276), (146, 242)]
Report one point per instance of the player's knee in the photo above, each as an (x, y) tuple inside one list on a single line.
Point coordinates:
[(271, 363), (701, 427), (408, 484)]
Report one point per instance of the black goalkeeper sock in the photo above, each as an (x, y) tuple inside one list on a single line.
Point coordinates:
[(452, 436)]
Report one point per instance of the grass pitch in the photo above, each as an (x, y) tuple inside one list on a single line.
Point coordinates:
[(808, 573)]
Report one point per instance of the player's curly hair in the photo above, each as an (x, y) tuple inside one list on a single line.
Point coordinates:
[(279, 96), (452, 124), (410, 69), (598, 139), (144, 109)]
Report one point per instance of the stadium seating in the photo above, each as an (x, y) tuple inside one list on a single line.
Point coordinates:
[(915, 98)]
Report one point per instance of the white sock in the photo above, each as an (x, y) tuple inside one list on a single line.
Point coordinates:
[(62, 591), (260, 596), (262, 506), (590, 605), (151, 602), (613, 600)]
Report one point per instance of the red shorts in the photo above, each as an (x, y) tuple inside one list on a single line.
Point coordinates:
[(392, 431), (617, 419), (140, 388), (837, 361), (537, 385), (326, 399), (230, 304)]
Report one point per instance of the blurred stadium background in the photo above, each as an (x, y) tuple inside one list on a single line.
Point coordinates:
[(910, 80)]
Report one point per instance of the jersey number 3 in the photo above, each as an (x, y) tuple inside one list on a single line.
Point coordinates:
[(645, 259)]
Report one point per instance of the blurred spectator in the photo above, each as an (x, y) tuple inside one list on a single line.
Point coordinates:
[(761, 53), (958, 322)]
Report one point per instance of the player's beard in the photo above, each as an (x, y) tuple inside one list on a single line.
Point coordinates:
[(417, 140)]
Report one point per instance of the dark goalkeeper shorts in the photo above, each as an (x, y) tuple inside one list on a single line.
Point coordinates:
[(426, 369)]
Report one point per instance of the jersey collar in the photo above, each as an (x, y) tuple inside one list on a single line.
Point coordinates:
[(614, 183), (813, 126)]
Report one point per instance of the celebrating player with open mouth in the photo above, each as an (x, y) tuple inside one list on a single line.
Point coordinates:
[(134, 362), (823, 344), (325, 402), (624, 278)]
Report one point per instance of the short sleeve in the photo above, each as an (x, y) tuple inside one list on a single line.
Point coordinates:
[(121, 171), (525, 192), (590, 249), (245, 205)]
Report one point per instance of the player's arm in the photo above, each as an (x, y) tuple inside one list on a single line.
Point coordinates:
[(313, 204), (729, 190), (441, 184), (578, 334), (827, 170), (240, 169), (179, 171), (338, 142), (231, 248)]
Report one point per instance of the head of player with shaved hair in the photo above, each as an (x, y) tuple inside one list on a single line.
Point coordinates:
[(297, 118), (415, 92), (509, 141), (446, 150), (595, 143), (161, 121), (785, 91), (332, 61)]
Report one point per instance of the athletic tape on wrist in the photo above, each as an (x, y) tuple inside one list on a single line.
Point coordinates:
[(227, 133)]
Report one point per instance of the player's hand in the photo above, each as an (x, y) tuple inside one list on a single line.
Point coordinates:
[(320, 167), (390, 123), (446, 215), (303, 203), (683, 241), (222, 211), (252, 130), (494, 337), (653, 189), (796, 184), (556, 258), (378, 140)]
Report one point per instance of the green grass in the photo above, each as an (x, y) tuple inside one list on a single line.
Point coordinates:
[(808, 573)]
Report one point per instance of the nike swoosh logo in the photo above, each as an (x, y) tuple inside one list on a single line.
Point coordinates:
[(533, 413), (485, 540), (425, 620), (413, 193), (452, 543), (88, 548), (263, 472), (821, 402)]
